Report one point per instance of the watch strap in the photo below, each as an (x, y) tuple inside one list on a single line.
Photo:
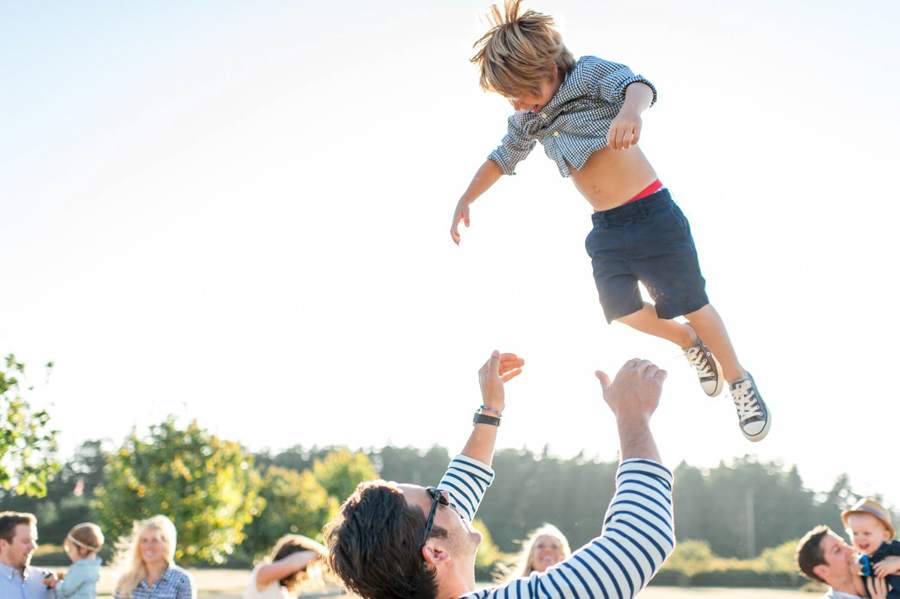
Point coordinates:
[(485, 419)]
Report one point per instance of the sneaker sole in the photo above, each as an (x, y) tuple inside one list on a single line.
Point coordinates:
[(765, 431), (720, 381), (761, 434)]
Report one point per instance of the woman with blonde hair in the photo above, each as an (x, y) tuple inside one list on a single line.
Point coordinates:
[(149, 554), (544, 547), (294, 559)]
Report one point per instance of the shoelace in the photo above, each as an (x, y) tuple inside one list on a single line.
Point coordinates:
[(745, 400), (699, 362)]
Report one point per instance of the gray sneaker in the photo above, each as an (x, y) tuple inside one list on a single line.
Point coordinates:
[(753, 415), (707, 368)]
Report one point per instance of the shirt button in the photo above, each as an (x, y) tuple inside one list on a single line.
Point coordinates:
[(543, 115), (556, 134)]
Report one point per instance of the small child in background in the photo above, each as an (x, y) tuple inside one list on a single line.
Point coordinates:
[(82, 545), (872, 534)]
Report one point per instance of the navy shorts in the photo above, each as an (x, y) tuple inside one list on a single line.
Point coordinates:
[(648, 241)]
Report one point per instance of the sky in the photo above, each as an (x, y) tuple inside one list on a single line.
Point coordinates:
[(239, 212)]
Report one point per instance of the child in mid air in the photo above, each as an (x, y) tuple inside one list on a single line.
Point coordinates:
[(82, 545), (869, 526), (587, 115)]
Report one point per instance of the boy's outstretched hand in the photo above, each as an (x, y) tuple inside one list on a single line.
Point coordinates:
[(460, 214)]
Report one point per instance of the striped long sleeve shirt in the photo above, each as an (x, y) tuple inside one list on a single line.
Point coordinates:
[(638, 535), (576, 122)]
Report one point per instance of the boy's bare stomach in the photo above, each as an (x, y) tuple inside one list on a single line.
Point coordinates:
[(610, 177)]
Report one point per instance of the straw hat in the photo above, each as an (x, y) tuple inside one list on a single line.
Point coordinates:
[(870, 506)]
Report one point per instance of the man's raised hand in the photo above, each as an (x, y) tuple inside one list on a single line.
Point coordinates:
[(635, 391), (499, 369)]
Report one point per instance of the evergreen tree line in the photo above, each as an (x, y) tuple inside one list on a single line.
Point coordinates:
[(230, 504)]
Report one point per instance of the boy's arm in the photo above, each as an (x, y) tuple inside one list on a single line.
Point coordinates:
[(625, 129), (516, 146), (487, 175)]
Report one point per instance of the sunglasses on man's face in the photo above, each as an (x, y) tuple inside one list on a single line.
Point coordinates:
[(438, 497)]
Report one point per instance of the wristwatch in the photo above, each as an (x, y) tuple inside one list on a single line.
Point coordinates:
[(485, 419)]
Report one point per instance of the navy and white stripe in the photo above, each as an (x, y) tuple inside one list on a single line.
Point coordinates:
[(466, 479), (638, 535), (576, 122)]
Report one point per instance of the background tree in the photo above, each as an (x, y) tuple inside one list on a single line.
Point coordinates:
[(27, 444), (69, 493), (206, 485), (341, 470), (295, 504)]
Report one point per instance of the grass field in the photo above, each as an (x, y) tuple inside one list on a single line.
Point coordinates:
[(229, 584)]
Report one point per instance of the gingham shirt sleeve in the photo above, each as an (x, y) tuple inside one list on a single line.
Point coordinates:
[(609, 80), (638, 535), (466, 479), (515, 147)]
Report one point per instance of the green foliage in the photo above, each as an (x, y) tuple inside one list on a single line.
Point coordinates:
[(488, 553), (27, 444), (691, 557), (295, 503), (206, 485), (341, 470)]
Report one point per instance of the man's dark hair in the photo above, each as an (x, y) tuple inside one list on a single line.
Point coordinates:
[(809, 552), (375, 544), (10, 520)]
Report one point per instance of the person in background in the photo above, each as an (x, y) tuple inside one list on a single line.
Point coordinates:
[(152, 573), (82, 544), (294, 559), (545, 546), (18, 540)]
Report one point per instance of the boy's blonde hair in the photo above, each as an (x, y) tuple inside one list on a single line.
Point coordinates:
[(519, 50), (87, 538)]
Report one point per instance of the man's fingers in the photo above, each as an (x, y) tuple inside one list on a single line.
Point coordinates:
[(494, 364), (661, 375), (507, 365), (511, 374), (643, 365), (611, 138), (604, 380)]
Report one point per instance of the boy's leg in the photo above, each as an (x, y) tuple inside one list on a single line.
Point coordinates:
[(647, 321), (753, 414), (708, 324)]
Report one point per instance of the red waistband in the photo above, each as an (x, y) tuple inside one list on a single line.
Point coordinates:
[(649, 190)]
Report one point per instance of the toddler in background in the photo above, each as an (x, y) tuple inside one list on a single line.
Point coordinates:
[(872, 534), (82, 544)]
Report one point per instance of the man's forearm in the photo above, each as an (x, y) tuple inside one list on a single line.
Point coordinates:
[(638, 97), (480, 445), (488, 174), (636, 440)]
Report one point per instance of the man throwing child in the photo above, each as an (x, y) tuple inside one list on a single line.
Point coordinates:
[(399, 540)]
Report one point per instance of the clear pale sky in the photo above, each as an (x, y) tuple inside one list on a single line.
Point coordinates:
[(239, 212)]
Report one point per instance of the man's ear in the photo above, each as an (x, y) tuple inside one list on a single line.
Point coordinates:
[(821, 571), (434, 553)]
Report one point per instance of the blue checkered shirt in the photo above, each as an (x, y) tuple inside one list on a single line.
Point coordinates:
[(174, 584), (576, 122)]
